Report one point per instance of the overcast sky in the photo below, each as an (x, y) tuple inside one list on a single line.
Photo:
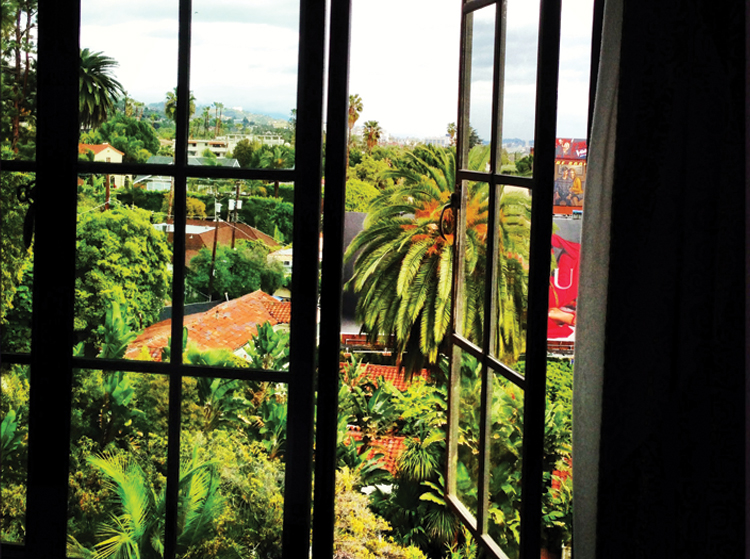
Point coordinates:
[(404, 58)]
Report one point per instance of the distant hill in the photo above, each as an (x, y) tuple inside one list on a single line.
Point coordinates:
[(229, 112)]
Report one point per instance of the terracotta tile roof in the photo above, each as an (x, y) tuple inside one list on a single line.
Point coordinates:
[(96, 148), (390, 373), (281, 311), (228, 325), (390, 447), (196, 241)]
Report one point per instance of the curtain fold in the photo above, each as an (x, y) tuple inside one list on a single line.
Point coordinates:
[(659, 414), (592, 294)]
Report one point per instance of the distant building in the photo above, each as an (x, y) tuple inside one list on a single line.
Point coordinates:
[(107, 154), (163, 183), (439, 141)]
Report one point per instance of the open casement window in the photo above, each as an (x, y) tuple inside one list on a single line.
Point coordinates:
[(489, 261), (54, 368)]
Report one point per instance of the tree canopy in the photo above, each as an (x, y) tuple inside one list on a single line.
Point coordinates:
[(120, 257), (135, 138)]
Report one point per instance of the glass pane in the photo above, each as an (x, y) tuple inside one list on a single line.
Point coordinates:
[(245, 88), (123, 268), (481, 69), (18, 99), (518, 87), (557, 498), (118, 455), (563, 287), (513, 222), (234, 440), (238, 274), (16, 261), (14, 414), (469, 413), (506, 450), (570, 176), (128, 102), (474, 253)]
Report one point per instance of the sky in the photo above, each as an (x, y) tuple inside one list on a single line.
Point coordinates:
[(404, 59)]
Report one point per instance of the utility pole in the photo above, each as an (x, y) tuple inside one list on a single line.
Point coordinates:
[(217, 209), (236, 205)]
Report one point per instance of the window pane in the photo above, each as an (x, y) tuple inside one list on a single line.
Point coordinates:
[(469, 422), (234, 433), (513, 222), (244, 78), (481, 70), (130, 102), (238, 273), (518, 85), (118, 450), (16, 261), (506, 449), (14, 414), (123, 269), (18, 98), (474, 255)]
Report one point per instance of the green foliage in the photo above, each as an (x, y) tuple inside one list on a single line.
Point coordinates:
[(18, 79), (245, 152), (372, 170), (120, 258), (359, 194), (135, 138), (16, 333), (268, 349), (267, 214), (14, 256), (525, 165), (148, 200), (236, 272), (359, 533)]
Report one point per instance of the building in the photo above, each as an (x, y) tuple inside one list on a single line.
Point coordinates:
[(200, 234), (164, 183), (107, 154)]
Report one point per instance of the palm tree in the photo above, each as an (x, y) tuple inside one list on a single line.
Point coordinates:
[(206, 117), (98, 90), (218, 107), (404, 268), (372, 134), (170, 105), (355, 108), (276, 157)]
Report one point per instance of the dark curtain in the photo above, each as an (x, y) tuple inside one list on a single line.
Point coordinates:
[(672, 449)]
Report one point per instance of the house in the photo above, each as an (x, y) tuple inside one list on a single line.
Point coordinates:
[(200, 234), (107, 154), (228, 325), (163, 183)]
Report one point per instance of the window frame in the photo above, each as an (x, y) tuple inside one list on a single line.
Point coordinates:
[(51, 361), (541, 185)]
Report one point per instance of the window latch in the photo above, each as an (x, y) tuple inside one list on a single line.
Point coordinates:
[(453, 204)]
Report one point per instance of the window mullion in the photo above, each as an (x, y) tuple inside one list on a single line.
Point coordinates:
[(54, 273), (539, 271), (178, 280)]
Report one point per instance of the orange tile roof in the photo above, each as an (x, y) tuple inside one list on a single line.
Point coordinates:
[(390, 447), (281, 311), (370, 372), (228, 325), (96, 148)]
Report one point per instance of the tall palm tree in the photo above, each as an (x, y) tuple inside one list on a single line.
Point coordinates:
[(404, 268), (206, 117), (452, 132), (355, 109), (276, 157), (170, 105), (98, 90), (218, 107), (372, 134)]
